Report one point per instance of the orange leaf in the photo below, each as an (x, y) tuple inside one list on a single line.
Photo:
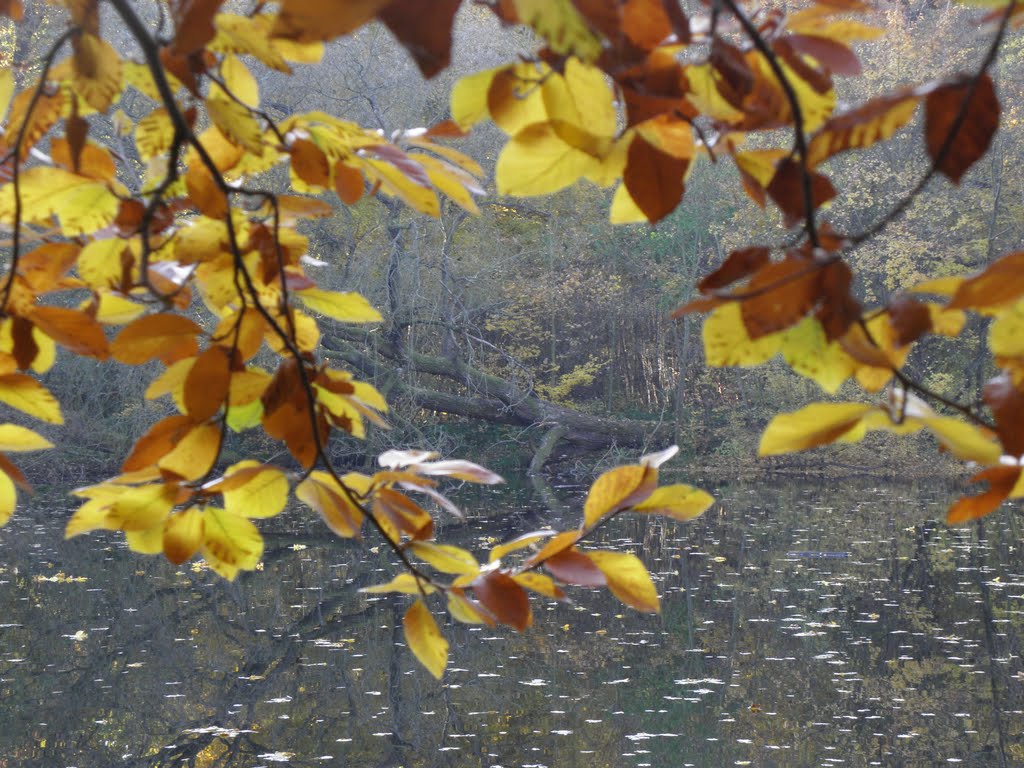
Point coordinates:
[(152, 336), (425, 29), (207, 383), (654, 179), (72, 329), (157, 442), (1000, 282), (1001, 481)]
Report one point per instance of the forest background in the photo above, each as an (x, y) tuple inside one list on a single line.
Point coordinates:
[(541, 303)]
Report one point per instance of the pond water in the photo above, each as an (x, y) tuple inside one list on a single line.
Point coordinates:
[(807, 624)]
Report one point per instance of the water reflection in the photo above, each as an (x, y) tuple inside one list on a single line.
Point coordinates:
[(800, 626)]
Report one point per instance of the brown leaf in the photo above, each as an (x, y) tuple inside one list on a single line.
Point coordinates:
[(505, 599), (1007, 404), (838, 309), (735, 77), (784, 293), (655, 87), (153, 337), (44, 267), (425, 29), (573, 567), (1000, 282), (12, 9), (72, 329), (308, 21), (941, 109), (700, 304), (204, 191), (157, 442), (193, 23), (348, 183), (24, 344), (831, 53), (737, 265), (47, 111), (654, 179), (645, 22), (207, 383), (1000, 480), (310, 163), (909, 318), (787, 191)]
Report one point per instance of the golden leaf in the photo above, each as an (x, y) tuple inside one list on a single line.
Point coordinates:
[(680, 502), (445, 557), (8, 498), (29, 396), (251, 489), (321, 492), (15, 438), (97, 71), (344, 307), (404, 583), (151, 336), (617, 489), (814, 425), (627, 579), (230, 542), (564, 28), (183, 535), (425, 639), (726, 341)]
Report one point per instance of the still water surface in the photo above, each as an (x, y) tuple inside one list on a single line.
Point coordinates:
[(801, 625)]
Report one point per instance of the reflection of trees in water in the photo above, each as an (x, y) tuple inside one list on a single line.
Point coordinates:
[(736, 610)]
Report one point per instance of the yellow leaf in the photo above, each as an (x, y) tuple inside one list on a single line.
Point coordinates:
[(194, 455), (347, 307), (15, 438), (941, 286), (469, 98), (948, 322), (254, 491), (395, 183), (322, 493), (564, 28), (539, 583), (445, 557), (814, 425), (154, 134), (517, 543), (537, 161), (236, 122), (807, 352), (617, 489), (100, 262), (6, 89), (82, 204), (404, 583), (242, 417), (97, 71), (726, 341), (453, 182), (1006, 334), (147, 542), (183, 535), (230, 542), (963, 440), (91, 516), (139, 507), (680, 502), (8, 498), (624, 209), (117, 309), (239, 80), (29, 396), (627, 579), (463, 609), (425, 639)]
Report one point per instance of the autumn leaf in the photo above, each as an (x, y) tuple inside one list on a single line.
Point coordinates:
[(230, 542), (617, 489), (814, 425), (183, 535), (322, 493), (16, 438), (504, 599), (153, 337), (680, 502), (445, 557), (29, 396), (343, 307), (425, 639), (628, 579), (404, 583), (972, 108)]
